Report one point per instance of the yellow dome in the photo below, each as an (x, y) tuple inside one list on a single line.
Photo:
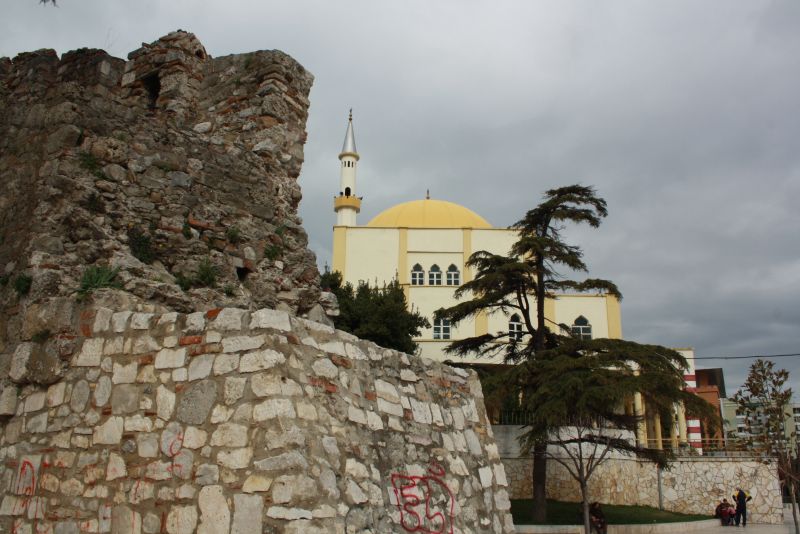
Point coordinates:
[(428, 214)]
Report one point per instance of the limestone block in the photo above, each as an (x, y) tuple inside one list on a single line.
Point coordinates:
[(125, 521), (248, 516), (215, 516), (31, 363), (170, 358), (182, 519), (229, 435), (8, 399), (273, 408), (242, 343), (109, 433), (235, 458), (196, 402), (260, 360), (230, 319), (266, 318)]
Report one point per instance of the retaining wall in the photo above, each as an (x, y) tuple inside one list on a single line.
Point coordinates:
[(241, 422)]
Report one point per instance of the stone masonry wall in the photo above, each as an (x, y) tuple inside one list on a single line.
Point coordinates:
[(240, 422), (168, 166), (691, 484)]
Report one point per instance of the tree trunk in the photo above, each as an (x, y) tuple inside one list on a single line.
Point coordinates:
[(794, 506), (540, 449), (587, 528), (540, 483)]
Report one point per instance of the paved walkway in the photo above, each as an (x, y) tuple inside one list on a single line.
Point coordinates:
[(786, 528)]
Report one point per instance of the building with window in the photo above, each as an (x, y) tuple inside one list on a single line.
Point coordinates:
[(425, 244)]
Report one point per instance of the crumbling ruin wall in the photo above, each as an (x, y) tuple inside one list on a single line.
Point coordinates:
[(241, 422), (178, 169)]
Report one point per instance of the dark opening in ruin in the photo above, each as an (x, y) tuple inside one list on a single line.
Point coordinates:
[(200, 54), (241, 273), (153, 86)]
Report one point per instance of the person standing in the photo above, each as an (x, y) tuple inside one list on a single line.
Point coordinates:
[(741, 497)]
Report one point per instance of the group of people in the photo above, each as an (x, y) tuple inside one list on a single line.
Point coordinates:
[(735, 513)]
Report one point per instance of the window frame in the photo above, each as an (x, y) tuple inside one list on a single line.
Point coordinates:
[(441, 329), (453, 276), (417, 275), (581, 328), (434, 275)]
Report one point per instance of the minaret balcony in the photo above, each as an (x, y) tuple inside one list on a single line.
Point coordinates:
[(343, 201)]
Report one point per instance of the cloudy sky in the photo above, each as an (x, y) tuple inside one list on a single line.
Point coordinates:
[(685, 115)]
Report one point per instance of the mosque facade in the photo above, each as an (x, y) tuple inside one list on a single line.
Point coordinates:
[(425, 245)]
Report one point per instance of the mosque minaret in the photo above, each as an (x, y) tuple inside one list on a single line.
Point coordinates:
[(346, 204)]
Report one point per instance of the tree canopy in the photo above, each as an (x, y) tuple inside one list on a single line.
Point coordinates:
[(521, 282), (379, 314), (765, 403), (560, 381)]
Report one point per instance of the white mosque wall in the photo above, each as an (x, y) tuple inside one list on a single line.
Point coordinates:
[(593, 307), (435, 240), (495, 240), (372, 254)]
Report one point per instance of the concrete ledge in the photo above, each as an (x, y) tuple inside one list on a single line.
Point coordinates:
[(659, 528)]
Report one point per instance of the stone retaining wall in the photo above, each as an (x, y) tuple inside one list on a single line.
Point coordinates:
[(690, 485), (240, 422)]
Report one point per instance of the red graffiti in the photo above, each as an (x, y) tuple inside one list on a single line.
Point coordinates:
[(426, 503), (26, 485), (175, 445)]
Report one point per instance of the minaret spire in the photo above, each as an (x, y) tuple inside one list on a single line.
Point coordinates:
[(349, 146), (347, 204)]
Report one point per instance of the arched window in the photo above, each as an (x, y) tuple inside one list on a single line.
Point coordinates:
[(514, 328), (435, 276), (453, 276), (581, 329), (441, 329), (347, 191), (417, 275)]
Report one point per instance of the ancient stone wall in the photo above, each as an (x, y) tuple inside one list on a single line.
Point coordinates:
[(178, 169), (690, 485), (232, 421)]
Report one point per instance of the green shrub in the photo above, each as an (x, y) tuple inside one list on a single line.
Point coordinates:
[(141, 245), (187, 230), (22, 284), (229, 290), (206, 274), (41, 336), (272, 252), (91, 164), (233, 234), (185, 282), (97, 276)]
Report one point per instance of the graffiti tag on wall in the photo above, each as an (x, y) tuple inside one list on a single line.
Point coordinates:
[(426, 503)]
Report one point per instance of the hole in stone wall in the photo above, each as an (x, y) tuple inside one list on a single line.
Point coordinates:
[(152, 85), (241, 273), (200, 54)]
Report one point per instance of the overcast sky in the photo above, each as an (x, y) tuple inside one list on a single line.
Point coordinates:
[(685, 115)]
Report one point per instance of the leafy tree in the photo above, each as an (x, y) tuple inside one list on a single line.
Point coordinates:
[(575, 394), (521, 282), (378, 314), (764, 402)]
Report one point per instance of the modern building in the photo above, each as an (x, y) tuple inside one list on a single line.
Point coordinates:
[(425, 245), (736, 425)]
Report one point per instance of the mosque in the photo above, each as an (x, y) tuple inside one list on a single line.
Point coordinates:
[(425, 244)]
